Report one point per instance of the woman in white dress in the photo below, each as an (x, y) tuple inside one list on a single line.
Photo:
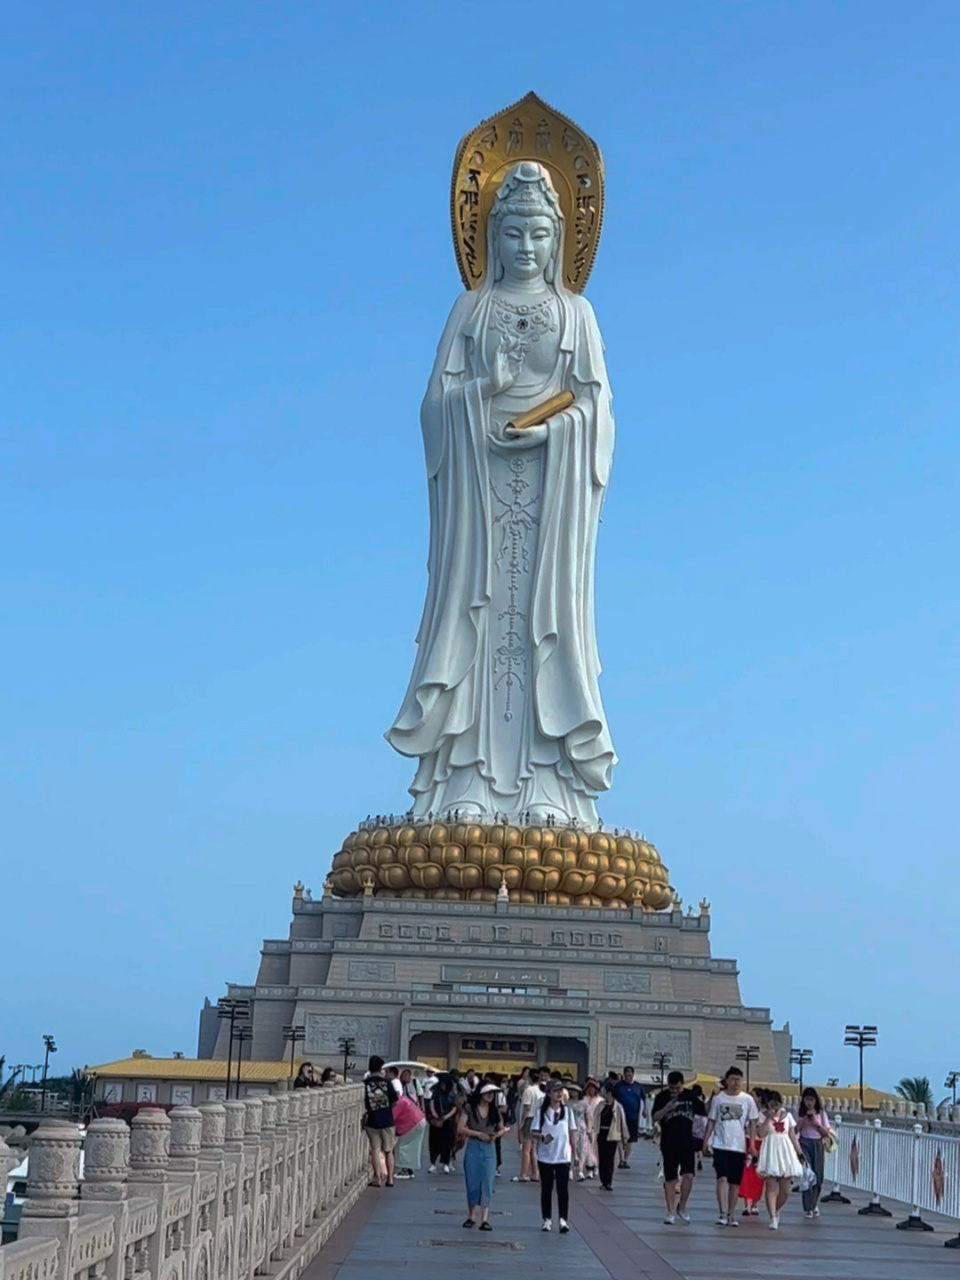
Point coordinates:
[(781, 1157)]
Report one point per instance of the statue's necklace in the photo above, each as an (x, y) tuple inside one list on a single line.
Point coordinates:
[(523, 322)]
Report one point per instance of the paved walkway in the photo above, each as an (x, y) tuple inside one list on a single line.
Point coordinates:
[(415, 1228)]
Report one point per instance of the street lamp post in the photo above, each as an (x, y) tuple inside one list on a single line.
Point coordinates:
[(660, 1063), (51, 1047), (951, 1083), (347, 1045), (234, 1009), (241, 1035), (801, 1058), (860, 1038), (748, 1053), (294, 1036)]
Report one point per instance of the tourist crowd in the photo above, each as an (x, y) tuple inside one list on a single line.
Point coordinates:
[(567, 1133)]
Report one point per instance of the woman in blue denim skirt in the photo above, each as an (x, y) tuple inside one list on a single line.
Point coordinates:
[(481, 1123)]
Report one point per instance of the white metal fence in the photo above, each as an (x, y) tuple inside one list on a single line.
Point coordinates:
[(917, 1168)]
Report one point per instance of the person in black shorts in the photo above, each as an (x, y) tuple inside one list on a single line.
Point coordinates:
[(673, 1110), (731, 1125)]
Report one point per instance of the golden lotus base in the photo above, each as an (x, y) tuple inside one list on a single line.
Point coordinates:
[(557, 866)]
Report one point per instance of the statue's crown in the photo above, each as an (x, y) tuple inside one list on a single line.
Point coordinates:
[(523, 191)]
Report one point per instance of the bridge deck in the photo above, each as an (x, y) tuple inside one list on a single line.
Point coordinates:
[(415, 1228)]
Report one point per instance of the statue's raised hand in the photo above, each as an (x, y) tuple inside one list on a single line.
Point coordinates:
[(506, 368)]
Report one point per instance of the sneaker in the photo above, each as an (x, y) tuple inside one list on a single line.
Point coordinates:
[(497, 1174), (447, 1169), (485, 1226), (774, 1224), (432, 1169), (733, 1222), (670, 1219), (564, 1228), (581, 1177), (547, 1225), (402, 1173), (684, 1217), (809, 1214), (721, 1220), (816, 1212)]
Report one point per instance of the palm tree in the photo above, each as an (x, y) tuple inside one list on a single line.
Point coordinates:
[(916, 1089)]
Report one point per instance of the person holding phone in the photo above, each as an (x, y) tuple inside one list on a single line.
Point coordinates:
[(552, 1125), (481, 1125), (674, 1110)]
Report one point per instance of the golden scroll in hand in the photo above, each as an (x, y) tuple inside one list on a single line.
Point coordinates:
[(542, 413)]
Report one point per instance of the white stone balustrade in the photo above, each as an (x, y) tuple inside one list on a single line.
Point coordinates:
[(223, 1191)]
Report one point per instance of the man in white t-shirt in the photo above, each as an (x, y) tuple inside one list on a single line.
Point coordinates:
[(731, 1120), (530, 1101)]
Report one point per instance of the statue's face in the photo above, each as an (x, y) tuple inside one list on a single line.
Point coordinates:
[(525, 246)]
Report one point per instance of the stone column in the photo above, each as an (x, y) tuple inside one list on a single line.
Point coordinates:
[(186, 1126), (53, 1176), (253, 1121), (235, 1120), (149, 1145), (106, 1160), (213, 1129)]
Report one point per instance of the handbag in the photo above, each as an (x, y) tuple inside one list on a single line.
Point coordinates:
[(808, 1179)]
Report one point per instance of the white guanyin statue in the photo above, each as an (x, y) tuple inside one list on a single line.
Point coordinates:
[(503, 708)]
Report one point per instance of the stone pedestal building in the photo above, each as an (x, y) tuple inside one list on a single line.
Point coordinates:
[(502, 984)]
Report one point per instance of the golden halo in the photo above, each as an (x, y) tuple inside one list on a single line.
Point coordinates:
[(528, 130)]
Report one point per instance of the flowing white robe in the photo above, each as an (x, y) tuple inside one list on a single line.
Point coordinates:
[(551, 752)]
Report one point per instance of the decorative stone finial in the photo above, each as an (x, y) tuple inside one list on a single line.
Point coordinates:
[(106, 1160), (214, 1127), (149, 1145), (704, 907), (235, 1120), (186, 1126), (53, 1174), (298, 891)]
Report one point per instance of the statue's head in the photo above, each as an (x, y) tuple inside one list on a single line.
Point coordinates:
[(526, 226)]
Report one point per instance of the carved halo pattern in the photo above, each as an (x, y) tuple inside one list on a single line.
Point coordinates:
[(527, 130)]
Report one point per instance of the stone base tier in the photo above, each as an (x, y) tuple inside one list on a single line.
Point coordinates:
[(542, 865)]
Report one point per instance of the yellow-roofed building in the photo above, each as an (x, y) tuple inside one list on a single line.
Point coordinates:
[(184, 1081)]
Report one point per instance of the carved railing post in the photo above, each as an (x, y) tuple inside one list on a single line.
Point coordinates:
[(252, 1199), (149, 1146), (53, 1175), (234, 1122), (213, 1130), (106, 1160), (186, 1126), (282, 1166)]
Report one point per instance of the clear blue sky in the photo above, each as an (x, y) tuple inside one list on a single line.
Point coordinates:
[(227, 264)]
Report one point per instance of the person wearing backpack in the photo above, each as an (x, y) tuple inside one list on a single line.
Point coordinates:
[(379, 1096), (553, 1122)]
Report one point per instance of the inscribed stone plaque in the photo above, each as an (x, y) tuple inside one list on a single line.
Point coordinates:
[(508, 975), (625, 980), (384, 971), (636, 1046), (369, 1034)]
